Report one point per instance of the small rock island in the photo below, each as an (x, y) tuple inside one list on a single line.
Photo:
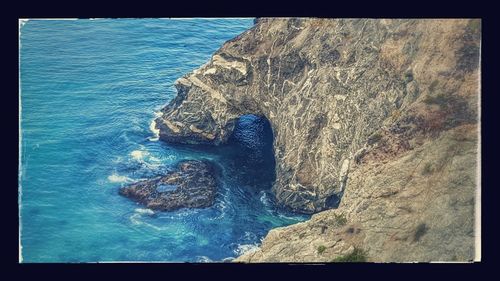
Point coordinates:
[(192, 185)]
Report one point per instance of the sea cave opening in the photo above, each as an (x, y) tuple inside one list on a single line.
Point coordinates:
[(251, 150)]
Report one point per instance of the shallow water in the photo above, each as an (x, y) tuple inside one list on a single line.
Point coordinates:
[(90, 90)]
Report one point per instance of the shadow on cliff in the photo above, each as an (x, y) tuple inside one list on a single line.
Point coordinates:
[(251, 148), (247, 156)]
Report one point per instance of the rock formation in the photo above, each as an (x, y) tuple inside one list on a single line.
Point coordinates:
[(192, 185), (418, 206), (380, 114)]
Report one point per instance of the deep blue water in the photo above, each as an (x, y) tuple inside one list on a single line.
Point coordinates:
[(89, 93)]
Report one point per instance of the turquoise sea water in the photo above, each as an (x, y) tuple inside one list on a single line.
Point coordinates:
[(89, 93)]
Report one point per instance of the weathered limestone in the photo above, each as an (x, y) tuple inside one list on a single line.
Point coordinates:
[(382, 114), (418, 206), (326, 86)]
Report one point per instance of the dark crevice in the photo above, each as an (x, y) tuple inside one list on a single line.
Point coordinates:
[(251, 144)]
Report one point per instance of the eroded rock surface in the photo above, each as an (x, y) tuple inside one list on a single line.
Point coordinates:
[(328, 87), (418, 206), (381, 112), (192, 185)]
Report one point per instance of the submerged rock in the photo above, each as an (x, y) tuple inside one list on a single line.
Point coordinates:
[(192, 185)]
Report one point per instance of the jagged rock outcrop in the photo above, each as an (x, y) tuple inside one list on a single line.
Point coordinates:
[(418, 206), (328, 87), (382, 112), (192, 185)]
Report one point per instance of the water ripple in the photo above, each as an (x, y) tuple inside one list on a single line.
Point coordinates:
[(90, 90)]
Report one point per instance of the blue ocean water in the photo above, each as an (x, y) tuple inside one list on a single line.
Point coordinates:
[(89, 92)]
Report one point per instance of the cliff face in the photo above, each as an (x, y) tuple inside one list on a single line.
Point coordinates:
[(418, 206), (383, 112), (333, 91)]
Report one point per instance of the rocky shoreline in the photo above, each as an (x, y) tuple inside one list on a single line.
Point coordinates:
[(377, 115)]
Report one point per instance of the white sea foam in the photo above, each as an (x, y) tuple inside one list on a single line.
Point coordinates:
[(246, 248), (221, 206), (152, 127), (144, 211), (204, 259), (136, 220), (117, 178), (296, 218), (138, 154), (249, 235), (182, 213), (155, 159), (264, 198), (171, 157)]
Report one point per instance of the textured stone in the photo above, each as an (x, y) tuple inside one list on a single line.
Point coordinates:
[(326, 86), (418, 206), (192, 185), (378, 115)]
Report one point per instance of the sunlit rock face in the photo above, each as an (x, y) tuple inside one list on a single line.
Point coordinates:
[(339, 94)]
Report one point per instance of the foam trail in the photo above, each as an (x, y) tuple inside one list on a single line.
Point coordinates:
[(155, 159), (144, 211), (153, 129), (204, 259), (170, 157), (117, 178), (265, 199), (136, 220), (246, 248), (138, 154)]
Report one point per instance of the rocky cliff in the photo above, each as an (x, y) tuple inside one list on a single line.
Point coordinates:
[(377, 115)]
